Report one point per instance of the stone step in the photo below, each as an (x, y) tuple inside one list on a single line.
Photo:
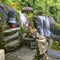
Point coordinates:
[(53, 53), (10, 31), (33, 45), (12, 45), (8, 39), (28, 39)]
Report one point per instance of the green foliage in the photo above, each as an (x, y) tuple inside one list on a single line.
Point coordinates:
[(37, 56), (55, 28), (7, 2), (42, 7), (30, 17), (55, 45), (58, 17), (21, 32), (1, 37), (53, 11), (1, 31)]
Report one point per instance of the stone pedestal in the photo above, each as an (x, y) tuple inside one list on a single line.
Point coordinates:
[(2, 54)]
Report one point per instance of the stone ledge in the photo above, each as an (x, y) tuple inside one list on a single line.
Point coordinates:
[(53, 53)]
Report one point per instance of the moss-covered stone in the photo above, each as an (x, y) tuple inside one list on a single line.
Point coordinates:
[(10, 33), (11, 49), (55, 45)]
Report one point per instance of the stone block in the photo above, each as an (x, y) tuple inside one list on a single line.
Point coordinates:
[(33, 44), (2, 54)]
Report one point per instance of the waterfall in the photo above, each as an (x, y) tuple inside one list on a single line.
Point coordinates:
[(40, 24), (43, 26), (47, 27)]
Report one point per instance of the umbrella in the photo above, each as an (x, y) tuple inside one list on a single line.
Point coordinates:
[(27, 9)]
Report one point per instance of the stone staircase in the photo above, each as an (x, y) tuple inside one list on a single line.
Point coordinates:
[(7, 39), (12, 42), (11, 38)]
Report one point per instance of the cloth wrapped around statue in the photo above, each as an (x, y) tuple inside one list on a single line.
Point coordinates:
[(42, 43)]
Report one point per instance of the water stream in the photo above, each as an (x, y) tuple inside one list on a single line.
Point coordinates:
[(43, 26)]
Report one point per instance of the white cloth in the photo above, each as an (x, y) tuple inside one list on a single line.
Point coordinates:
[(22, 19)]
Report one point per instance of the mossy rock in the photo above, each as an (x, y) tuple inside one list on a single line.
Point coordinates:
[(12, 46)]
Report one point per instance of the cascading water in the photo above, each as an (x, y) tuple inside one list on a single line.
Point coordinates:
[(47, 26), (40, 25), (43, 26)]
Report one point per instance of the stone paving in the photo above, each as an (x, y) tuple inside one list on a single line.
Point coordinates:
[(22, 54), (52, 58)]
